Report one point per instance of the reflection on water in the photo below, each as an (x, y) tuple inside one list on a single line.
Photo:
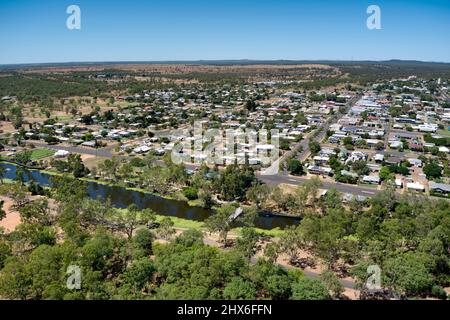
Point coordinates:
[(122, 198)]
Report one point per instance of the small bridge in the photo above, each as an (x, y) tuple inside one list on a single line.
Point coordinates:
[(235, 215)]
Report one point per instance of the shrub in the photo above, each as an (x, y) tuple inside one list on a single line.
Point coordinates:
[(191, 193), (438, 292)]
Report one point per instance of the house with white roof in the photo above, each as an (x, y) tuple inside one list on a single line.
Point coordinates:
[(379, 157), (444, 149), (415, 186), (61, 154), (372, 179), (415, 162)]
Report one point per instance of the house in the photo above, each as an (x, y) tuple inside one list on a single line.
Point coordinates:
[(416, 147), (124, 133), (393, 161), (415, 162), (61, 154), (319, 170), (318, 160), (441, 188), (335, 138), (371, 179), (335, 127), (254, 161), (405, 120), (90, 144), (427, 127), (373, 142), (327, 152), (415, 186), (142, 149), (395, 144), (357, 156), (160, 152), (399, 183), (379, 157), (444, 149)]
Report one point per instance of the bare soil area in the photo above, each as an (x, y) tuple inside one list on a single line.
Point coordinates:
[(12, 219)]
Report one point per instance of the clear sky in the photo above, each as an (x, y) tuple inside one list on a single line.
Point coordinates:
[(33, 31)]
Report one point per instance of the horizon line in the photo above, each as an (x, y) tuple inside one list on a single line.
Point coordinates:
[(206, 61)]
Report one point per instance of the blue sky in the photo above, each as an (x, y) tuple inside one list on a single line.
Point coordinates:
[(33, 31)]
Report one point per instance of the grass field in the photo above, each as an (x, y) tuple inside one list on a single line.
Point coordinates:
[(64, 117), (192, 224), (445, 132), (38, 154), (183, 223)]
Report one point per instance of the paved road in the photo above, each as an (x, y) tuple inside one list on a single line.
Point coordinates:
[(445, 95), (345, 283), (305, 144), (311, 274), (341, 187)]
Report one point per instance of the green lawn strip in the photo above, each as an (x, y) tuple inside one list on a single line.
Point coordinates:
[(181, 223), (38, 154), (277, 232), (199, 225)]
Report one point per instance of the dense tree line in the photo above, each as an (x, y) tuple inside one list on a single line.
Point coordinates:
[(406, 236), (119, 259)]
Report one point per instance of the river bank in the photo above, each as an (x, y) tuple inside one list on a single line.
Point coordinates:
[(122, 197)]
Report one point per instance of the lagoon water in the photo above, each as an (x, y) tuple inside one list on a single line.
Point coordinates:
[(122, 198)]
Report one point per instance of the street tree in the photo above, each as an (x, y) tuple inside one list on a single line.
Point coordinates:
[(166, 229), (239, 288), (309, 289), (220, 221), (131, 218), (332, 283), (247, 242)]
